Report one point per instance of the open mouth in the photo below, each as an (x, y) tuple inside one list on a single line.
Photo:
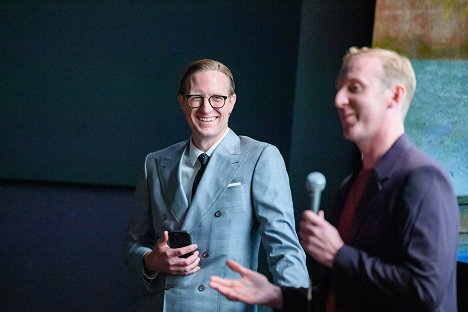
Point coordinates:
[(349, 117), (207, 119)]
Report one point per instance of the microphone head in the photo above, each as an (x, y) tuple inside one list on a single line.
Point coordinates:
[(315, 181)]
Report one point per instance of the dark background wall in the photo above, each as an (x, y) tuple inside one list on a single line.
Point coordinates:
[(88, 89), (60, 248), (328, 29)]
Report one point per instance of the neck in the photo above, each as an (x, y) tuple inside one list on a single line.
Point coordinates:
[(373, 149), (204, 144)]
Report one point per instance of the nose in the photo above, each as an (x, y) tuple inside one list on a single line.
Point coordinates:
[(340, 98), (206, 106)]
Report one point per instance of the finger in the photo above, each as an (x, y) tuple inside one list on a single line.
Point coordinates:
[(178, 261), (233, 265), (236, 267), (312, 250), (185, 266), (309, 237), (306, 229), (303, 235), (309, 215), (164, 239), (187, 249), (216, 281), (191, 270), (312, 218), (314, 243), (321, 214), (225, 288), (194, 261)]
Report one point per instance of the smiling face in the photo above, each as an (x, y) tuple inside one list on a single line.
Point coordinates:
[(208, 124), (363, 101)]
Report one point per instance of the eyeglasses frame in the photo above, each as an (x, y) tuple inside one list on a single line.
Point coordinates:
[(206, 97)]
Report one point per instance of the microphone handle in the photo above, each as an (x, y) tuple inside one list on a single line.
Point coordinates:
[(315, 201)]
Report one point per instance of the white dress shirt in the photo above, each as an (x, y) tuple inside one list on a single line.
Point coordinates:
[(189, 165)]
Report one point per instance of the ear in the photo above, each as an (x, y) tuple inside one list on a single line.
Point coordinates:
[(397, 96), (231, 103), (181, 100)]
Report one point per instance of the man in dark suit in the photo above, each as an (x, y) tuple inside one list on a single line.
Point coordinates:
[(391, 240)]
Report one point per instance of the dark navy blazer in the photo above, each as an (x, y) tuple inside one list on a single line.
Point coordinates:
[(401, 255)]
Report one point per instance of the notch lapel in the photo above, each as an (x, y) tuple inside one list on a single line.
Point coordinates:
[(221, 169), (175, 198)]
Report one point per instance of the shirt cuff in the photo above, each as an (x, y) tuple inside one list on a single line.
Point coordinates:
[(150, 275)]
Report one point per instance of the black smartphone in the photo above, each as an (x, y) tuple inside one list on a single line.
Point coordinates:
[(179, 239)]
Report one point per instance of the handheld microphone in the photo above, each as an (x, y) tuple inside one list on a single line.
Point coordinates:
[(315, 183)]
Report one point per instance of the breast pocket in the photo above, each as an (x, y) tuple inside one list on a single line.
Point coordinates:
[(235, 197)]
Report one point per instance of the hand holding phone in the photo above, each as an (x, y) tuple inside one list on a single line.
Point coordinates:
[(178, 239)]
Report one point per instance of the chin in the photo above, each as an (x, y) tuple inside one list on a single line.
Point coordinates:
[(348, 135), (206, 133)]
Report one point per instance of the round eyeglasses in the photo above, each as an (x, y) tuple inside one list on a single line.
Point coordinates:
[(216, 101)]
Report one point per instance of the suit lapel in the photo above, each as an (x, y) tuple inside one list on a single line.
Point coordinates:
[(221, 169), (370, 200), (169, 177)]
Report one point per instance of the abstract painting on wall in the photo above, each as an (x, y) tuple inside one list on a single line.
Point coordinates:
[(434, 35)]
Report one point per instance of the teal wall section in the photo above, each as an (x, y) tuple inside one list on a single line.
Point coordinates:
[(436, 123), (436, 120)]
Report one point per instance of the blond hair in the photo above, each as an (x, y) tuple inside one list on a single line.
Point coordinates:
[(205, 65), (397, 68)]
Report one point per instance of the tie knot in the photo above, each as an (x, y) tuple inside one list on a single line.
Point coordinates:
[(203, 159)]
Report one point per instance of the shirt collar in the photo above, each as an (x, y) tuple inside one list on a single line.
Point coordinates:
[(194, 152), (386, 164)]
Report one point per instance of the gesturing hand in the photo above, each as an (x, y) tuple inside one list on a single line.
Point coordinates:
[(165, 259), (251, 288)]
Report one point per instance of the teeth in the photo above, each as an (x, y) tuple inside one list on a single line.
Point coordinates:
[(206, 118)]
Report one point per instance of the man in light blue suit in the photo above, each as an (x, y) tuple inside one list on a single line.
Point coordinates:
[(242, 199)]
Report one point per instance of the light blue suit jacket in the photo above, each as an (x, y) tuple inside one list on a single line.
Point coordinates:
[(244, 197)]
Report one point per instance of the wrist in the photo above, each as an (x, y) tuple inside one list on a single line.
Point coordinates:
[(148, 268), (277, 298)]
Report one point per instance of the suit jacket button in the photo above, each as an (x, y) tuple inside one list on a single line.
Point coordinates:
[(205, 254), (218, 214), (201, 287), (163, 217)]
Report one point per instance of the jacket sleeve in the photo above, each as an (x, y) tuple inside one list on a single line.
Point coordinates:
[(425, 223), (274, 210), (294, 299), (140, 233)]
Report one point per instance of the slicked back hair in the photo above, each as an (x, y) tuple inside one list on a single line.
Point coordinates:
[(205, 65)]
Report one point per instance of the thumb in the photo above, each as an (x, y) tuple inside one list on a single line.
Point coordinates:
[(164, 239)]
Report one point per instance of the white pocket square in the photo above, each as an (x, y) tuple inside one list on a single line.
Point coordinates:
[(234, 184)]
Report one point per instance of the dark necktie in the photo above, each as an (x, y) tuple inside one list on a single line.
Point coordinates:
[(203, 159)]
